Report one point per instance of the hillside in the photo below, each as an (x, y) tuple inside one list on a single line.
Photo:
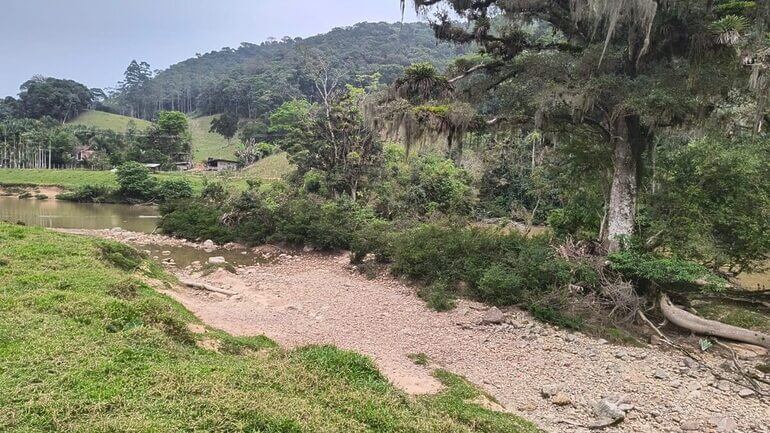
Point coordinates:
[(208, 144), (253, 79), (109, 121)]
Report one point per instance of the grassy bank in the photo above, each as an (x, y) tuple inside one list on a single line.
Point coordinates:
[(112, 122), (86, 347), (70, 179)]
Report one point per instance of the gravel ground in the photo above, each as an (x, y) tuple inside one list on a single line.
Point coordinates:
[(313, 298)]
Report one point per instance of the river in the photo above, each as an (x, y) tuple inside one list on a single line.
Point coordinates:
[(69, 215)]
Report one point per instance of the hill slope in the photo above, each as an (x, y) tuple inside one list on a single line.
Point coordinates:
[(255, 78), (109, 121), (208, 144)]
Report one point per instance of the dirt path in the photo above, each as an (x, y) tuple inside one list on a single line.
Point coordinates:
[(315, 299)]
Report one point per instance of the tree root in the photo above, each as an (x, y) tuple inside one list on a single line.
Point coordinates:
[(207, 287), (712, 328)]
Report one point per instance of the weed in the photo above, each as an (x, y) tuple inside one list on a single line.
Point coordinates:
[(419, 358)]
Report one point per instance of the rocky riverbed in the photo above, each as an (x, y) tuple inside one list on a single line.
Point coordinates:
[(563, 381)]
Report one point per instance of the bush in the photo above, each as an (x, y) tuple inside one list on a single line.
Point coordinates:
[(437, 296), (173, 189), (195, 220), (647, 267), (135, 181), (120, 255), (498, 268), (88, 194), (325, 225)]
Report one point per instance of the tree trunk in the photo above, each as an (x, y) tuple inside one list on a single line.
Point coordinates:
[(628, 141), (702, 326)]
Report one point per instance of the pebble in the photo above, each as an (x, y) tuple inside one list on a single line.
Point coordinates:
[(561, 399), (493, 316), (216, 260), (746, 392), (661, 374)]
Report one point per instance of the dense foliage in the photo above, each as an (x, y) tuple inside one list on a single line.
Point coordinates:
[(252, 80)]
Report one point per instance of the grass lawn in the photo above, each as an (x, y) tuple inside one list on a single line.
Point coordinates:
[(112, 122), (70, 179), (87, 346), (271, 168), (208, 144)]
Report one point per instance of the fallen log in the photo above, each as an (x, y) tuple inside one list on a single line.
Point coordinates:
[(713, 328), (207, 287)]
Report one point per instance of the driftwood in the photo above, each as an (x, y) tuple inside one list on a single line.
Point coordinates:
[(702, 326), (208, 288)]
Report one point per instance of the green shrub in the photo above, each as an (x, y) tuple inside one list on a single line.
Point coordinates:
[(173, 189), (437, 296), (556, 317), (326, 225), (120, 255), (648, 267), (191, 219), (135, 182), (88, 194), (498, 268), (371, 236), (501, 283)]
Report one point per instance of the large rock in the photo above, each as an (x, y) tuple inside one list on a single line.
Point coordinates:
[(217, 260), (493, 316), (209, 244), (610, 410)]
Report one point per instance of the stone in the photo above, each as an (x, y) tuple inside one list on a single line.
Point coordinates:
[(723, 424), (690, 425), (209, 244), (561, 399), (308, 249), (723, 385), (621, 354), (613, 406), (661, 374), (548, 391), (493, 316), (690, 363), (746, 392), (217, 260)]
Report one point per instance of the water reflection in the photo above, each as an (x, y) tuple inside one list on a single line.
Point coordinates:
[(68, 215)]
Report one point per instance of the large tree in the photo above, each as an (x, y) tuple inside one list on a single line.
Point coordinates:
[(59, 99), (624, 68)]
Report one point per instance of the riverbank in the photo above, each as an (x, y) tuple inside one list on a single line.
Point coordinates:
[(72, 179), (87, 345), (317, 298)]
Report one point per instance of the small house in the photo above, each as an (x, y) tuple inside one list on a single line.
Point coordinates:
[(153, 167), (216, 164), (183, 165), (83, 153)]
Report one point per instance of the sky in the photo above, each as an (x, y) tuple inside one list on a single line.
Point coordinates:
[(92, 41)]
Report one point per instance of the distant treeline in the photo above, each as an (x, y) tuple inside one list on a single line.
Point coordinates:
[(253, 80)]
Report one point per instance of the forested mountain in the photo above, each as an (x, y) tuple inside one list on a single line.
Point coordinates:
[(254, 79)]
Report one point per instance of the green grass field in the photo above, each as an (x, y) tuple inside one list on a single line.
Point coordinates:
[(112, 122), (271, 168), (208, 144), (71, 179), (205, 144), (87, 346)]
